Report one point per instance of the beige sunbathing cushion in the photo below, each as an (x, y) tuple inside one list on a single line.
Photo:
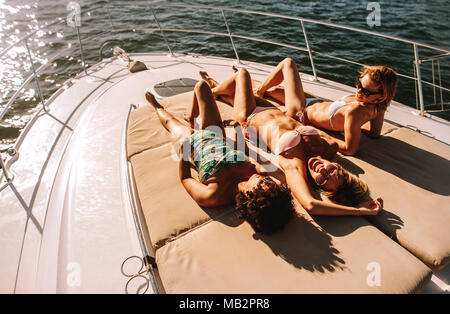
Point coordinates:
[(168, 208), (155, 168), (343, 255), (411, 173), (385, 130), (299, 259)]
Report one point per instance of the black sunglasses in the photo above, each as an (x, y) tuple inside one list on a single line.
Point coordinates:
[(266, 180), (366, 91)]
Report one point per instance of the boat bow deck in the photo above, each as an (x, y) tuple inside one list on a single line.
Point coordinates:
[(78, 220)]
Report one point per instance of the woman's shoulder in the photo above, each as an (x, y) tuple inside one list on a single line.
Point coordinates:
[(349, 97), (290, 161), (363, 111)]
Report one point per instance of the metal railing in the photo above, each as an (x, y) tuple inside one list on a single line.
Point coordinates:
[(436, 60), (417, 71), (7, 179)]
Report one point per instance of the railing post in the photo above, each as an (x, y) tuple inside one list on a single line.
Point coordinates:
[(39, 87), (309, 51), (160, 29), (415, 84), (434, 87), (81, 49), (419, 80), (35, 75), (440, 84), (231, 37), (2, 165)]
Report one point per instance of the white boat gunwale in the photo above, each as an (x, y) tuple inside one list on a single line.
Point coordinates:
[(127, 172)]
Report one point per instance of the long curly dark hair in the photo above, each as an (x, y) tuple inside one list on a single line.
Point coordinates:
[(267, 208)]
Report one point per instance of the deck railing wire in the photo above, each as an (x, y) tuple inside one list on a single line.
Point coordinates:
[(6, 179)]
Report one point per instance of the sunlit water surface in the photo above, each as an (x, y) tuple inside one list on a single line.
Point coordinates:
[(423, 21)]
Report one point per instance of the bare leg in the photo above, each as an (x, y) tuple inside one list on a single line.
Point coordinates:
[(178, 130), (224, 93), (225, 90), (205, 104), (276, 92), (201, 92), (211, 82), (193, 112), (238, 90), (293, 89), (244, 99)]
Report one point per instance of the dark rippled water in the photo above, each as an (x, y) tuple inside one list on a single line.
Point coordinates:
[(423, 21)]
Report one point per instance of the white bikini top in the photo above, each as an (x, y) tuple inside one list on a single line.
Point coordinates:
[(335, 106)]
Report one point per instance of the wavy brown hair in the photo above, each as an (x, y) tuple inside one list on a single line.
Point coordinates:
[(384, 77), (266, 208), (351, 192)]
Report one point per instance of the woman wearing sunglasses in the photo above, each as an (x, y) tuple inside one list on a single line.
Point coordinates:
[(375, 88), (303, 154)]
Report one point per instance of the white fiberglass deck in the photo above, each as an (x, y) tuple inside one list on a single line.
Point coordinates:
[(79, 228)]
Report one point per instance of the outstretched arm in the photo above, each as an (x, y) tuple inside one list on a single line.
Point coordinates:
[(295, 178), (354, 119)]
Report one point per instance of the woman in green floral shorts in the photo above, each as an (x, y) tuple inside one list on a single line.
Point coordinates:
[(225, 175)]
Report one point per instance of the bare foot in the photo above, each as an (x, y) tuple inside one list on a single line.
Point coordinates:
[(152, 100), (211, 82)]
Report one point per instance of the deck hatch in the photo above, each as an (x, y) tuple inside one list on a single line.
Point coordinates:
[(175, 87)]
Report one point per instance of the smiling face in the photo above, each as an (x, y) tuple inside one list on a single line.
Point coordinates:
[(325, 174), (366, 85)]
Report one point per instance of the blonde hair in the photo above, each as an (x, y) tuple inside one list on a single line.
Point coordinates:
[(386, 78), (351, 192)]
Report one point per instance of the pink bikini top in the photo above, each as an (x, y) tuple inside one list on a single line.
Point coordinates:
[(291, 139)]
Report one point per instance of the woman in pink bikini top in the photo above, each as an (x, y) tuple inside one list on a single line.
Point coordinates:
[(288, 139), (303, 153)]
